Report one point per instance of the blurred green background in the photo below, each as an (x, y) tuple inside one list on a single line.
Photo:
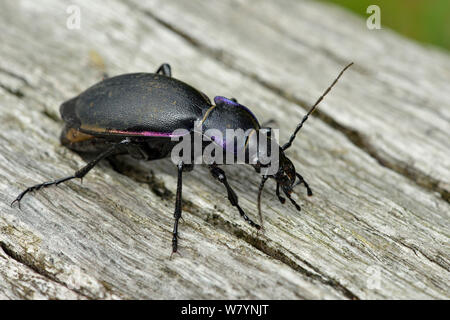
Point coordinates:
[(427, 21)]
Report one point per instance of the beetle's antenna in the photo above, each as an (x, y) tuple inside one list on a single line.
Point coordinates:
[(300, 125), (261, 187)]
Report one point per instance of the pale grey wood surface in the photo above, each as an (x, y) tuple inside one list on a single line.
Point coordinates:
[(377, 157)]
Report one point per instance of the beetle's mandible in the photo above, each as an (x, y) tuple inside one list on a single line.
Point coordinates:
[(137, 113)]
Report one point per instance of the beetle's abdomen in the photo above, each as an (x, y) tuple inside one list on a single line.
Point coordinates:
[(140, 102)]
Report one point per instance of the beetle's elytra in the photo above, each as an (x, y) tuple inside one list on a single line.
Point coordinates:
[(137, 114)]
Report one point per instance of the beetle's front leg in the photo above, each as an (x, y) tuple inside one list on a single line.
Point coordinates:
[(177, 213), (219, 174)]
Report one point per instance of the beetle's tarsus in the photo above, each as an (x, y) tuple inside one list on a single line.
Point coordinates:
[(174, 242), (177, 213), (300, 181), (18, 203), (260, 190), (173, 252), (38, 187), (78, 174)]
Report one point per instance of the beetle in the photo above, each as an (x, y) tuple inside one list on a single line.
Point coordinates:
[(137, 114)]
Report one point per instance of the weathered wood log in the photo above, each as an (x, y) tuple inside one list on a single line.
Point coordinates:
[(376, 155)]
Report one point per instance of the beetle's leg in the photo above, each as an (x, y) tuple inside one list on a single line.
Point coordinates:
[(219, 174), (177, 213), (78, 174), (300, 181), (292, 201), (277, 191), (165, 70)]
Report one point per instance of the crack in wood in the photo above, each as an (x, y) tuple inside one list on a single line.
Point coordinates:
[(15, 75), (15, 92), (415, 249), (30, 263), (261, 245)]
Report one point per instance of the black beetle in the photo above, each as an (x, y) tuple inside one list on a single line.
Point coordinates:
[(137, 113)]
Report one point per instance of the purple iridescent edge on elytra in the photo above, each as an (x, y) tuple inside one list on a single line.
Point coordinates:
[(220, 99)]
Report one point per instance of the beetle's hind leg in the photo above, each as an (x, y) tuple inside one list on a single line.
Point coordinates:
[(219, 174), (165, 70), (78, 174)]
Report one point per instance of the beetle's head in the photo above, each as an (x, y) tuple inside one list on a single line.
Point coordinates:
[(285, 176), (271, 162)]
